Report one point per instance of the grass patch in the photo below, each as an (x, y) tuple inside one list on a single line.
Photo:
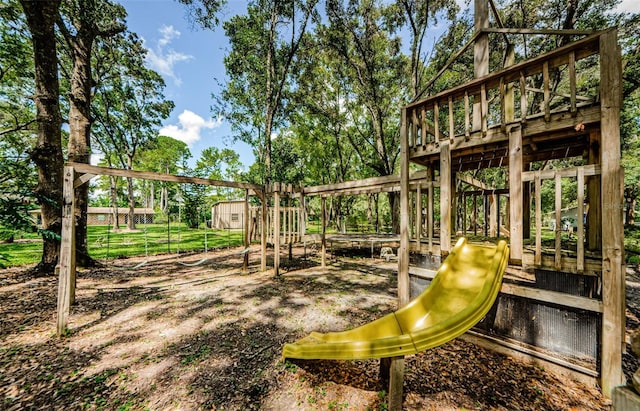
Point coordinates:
[(105, 243)]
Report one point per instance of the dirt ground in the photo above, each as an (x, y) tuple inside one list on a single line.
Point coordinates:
[(166, 336)]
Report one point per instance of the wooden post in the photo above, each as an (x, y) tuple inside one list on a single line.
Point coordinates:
[(276, 229), (396, 364), (67, 265), (594, 213), (613, 273), (480, 57), (538, 189), (558, 202), (445, 197), (515, 202), (580, 227), (323, 237), (263, 232), (430, 204), (247, 240), (493, 215)]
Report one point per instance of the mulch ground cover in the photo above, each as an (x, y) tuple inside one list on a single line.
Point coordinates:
[(171, 336)]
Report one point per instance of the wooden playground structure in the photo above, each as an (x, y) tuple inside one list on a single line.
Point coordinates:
[(515, 120)]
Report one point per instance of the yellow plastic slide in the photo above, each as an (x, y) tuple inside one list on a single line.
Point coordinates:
[(462, 292)]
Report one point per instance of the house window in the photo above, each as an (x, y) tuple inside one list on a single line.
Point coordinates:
[(235, 217)]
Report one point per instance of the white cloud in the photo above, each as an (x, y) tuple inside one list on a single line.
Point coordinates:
[(189, 127), (162, 58), (629, 6)]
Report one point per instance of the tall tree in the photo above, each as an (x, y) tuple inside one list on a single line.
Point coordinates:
[(17, 122), (130, 106), (80, 23), (264, 43), (47, 154), (163, 155), (376, 73), (416, 16)]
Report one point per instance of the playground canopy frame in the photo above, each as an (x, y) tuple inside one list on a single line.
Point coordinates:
[(77, 174)]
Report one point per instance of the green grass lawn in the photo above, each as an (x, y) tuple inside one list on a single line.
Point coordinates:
[(104, 243)]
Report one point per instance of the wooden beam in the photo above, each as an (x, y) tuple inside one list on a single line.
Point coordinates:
[(83, 179), (508, 30), (148, 175), (613, 273), (67, 265), (550, 174), (536, 294)]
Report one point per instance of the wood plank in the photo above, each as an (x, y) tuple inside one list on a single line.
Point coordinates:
[(467, 121), (264, 215), (247, 239), (83, 179), (558, 232), (592, 267), (430, 220), (360, 184), (423, 126), (613, 273), (276, 230), (503, 105), (436, 120), (538, 189), (580, 228), (588, 170), (567, 32), (148, 175), (418, 213), (484, 108), (323, 239), (452, 128), (572, 82), (67, 260), (594, 203), (445, 197), (547, 95), (547, 296), (516, 204), (524, 108)]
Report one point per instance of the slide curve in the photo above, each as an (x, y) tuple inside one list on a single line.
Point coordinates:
[(462, 292)]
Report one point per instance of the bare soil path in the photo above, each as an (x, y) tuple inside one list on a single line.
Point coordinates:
[(171, 337)]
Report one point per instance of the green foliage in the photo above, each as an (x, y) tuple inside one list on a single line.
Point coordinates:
[(264, 45)]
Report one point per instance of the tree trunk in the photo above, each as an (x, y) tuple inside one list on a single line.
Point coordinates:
[(79, 145), (47, 155), (630, 215), (394, 205)]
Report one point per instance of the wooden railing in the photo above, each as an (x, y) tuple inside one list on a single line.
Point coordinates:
[(579, 174), (535, 88), (422, 223)]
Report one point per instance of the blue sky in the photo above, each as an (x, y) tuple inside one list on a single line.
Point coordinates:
[(191, 62)]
